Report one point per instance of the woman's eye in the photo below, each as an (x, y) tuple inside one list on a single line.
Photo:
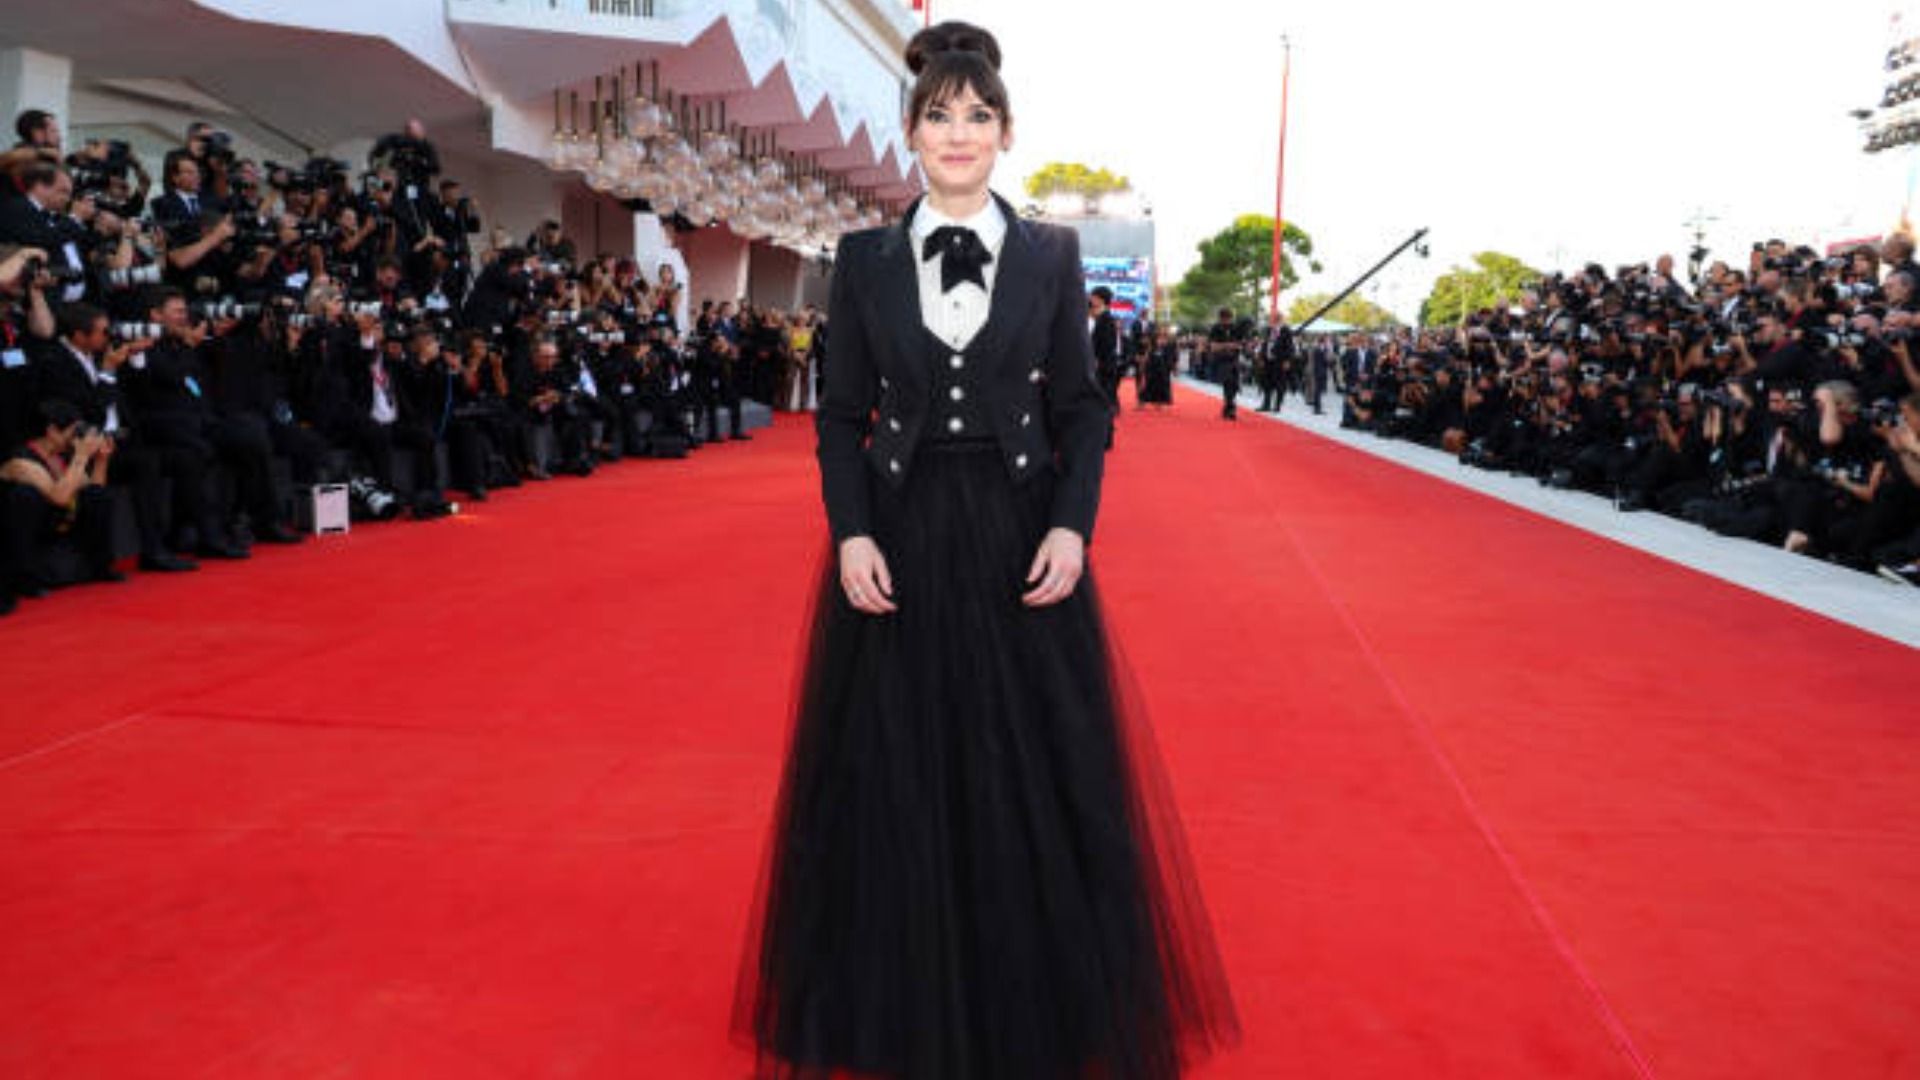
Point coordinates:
[(982, 116)]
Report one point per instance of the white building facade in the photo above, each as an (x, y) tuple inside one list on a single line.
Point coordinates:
[(807, 95)]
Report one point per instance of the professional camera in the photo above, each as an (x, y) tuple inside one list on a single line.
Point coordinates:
[(1837, 339), (413, 160), (94, 174), (130, 276), (1882, 414), (215, 310), (60, 275), (136, 331), (358, 309), (220, 146), (1721, 398)]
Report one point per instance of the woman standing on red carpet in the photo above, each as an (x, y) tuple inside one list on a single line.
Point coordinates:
[(975, 869)]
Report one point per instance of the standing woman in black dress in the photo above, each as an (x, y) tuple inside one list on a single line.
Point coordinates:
[(975, 869)]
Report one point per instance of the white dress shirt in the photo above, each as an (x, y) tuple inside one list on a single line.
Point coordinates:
[(955, 317)]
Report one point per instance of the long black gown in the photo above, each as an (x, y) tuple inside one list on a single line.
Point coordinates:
[(975, 869)]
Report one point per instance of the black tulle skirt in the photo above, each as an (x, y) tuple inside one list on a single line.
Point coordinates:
[(975, 870)]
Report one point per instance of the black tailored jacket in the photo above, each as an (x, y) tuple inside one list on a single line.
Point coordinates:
[(1035, 362)]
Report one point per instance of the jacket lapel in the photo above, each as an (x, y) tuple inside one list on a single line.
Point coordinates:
[(898, 299), (1016, 287)]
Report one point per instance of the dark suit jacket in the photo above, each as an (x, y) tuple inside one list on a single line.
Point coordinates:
[(1039, 362), (1106, 345), (21, 222), (56, 374), (170, 211)]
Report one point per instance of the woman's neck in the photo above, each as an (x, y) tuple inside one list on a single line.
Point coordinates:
[(957, 205)]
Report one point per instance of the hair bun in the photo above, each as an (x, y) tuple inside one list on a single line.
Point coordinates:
[(951, 37)]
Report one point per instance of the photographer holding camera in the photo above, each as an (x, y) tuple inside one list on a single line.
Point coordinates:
[(483, 397), (431, 387), (211, 150), (25, 319), (56, 518), (196, 226), (83, 368), (38, 218), (171, 390), (1842, 474), (104, 166), (411, 161), (546, 398)]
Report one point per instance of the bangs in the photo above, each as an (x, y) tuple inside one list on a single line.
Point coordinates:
[(950, 76)]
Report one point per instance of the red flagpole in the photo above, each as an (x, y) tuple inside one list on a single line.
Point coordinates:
[(1280, 179)]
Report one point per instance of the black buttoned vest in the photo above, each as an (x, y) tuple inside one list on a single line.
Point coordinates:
[(953, 414)]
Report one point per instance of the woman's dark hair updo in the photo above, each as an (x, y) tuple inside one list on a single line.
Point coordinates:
[(947, 60)]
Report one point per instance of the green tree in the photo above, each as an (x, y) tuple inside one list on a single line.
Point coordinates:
[(1355, 311), (1073, 178), (1494, 280), (1236, 269)]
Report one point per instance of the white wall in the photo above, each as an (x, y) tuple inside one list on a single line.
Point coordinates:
[(30, 79)]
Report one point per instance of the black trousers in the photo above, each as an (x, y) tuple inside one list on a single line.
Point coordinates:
[(40, 549), (373, 444), (197, 439), (244, 442), (729, 396), (145, 471)]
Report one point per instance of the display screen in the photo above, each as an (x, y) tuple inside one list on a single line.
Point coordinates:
[(1131, 281)]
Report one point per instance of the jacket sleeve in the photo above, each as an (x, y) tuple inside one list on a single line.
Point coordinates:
[(845, 415), (1077, 411)]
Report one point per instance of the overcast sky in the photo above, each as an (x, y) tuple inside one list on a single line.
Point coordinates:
[(1559, 132)]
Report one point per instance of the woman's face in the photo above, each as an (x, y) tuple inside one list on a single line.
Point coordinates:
[(958, 141)]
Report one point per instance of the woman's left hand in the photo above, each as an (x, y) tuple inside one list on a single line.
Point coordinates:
[(1057, 567)]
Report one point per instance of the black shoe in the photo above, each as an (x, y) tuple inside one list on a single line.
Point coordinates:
[(742, 436), (535, 472), (222, 551), (7, 602), (276, 534), (166, 562), (108, 575), (477, 494)]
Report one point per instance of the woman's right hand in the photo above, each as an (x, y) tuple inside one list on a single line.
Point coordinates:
[(864, 577)]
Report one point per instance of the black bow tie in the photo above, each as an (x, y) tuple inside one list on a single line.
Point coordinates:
[(961, 255)]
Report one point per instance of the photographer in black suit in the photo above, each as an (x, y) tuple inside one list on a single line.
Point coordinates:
[(169, 391), (1223, 352), (83, 368), (196, 225), (545, 399), (1105, 335), (1276, 367)]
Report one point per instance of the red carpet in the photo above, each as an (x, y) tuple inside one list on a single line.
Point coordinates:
[(1471, 794)]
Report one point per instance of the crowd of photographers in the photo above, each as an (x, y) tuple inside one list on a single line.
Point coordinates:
[(1779, 401), (248, 317)]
